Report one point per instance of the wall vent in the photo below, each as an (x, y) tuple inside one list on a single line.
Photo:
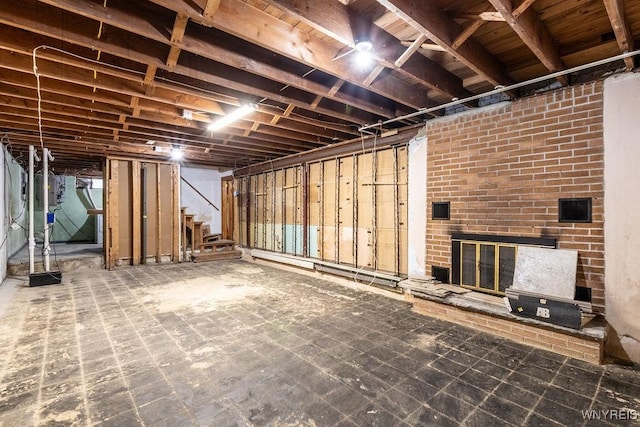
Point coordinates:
[(440, 210), (574, 210)]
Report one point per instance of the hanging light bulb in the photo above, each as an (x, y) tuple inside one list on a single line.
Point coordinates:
[(177, 153)]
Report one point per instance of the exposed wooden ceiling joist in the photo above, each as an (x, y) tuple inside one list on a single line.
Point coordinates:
[(121, 77), (615, 10), (534, 34), (429, 20)]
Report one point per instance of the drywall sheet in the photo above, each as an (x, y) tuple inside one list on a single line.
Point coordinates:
[(549, 272)]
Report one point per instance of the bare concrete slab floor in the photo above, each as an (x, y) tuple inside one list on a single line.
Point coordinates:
[(235, 343)]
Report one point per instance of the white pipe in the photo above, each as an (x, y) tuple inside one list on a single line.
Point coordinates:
[(32, 241), (45, 204), (500, 89)]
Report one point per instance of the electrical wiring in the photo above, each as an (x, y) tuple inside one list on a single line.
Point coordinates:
[(140, 73), (372, 205)]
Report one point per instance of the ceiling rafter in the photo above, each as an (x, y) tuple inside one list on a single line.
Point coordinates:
[(337, 21), (433, 22), (534, 34), (615, 10), (177, 34), (239, 19), (13, 14)]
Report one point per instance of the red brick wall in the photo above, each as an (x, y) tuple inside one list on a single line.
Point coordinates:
[(504, 167)]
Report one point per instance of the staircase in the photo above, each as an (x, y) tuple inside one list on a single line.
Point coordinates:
[(200, 244)]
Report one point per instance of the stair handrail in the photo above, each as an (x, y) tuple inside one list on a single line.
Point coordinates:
[(199, 193)]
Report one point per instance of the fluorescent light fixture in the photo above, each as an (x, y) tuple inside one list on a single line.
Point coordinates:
[(177, 153), (232, 117)]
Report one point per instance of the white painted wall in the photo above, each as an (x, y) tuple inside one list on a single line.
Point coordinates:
[(622, 211), (208, 182), (4, 220), (417, 209), (12, 209)]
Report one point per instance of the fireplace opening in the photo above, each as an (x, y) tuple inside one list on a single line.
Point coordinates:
[(486, 263)]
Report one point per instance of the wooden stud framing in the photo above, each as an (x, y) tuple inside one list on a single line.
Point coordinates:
[(355, 205)]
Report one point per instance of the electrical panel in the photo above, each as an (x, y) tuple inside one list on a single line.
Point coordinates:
[(57, 189)]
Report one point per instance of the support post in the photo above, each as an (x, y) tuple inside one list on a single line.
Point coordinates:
[(45, 206), (32, 241)]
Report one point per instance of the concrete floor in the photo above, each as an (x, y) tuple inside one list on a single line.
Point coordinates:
[(63, 257), (236, 343)]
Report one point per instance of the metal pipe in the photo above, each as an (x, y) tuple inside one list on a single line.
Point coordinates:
[(45, 205), (501, 89), (32, 241)]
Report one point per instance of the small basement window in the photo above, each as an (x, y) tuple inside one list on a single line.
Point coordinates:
[(440, 210), (574, 210)]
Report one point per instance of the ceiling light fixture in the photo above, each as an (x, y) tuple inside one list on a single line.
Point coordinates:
[(364, 55), (364, 45), (177, 153), (232, 117)]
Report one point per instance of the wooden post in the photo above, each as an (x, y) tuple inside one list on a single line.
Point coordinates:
[(113, 226), (175, 214), (136, 235)]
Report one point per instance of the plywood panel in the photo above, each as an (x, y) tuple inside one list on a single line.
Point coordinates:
[(124, 217), (365, 207), (289, 190), (112, 209), (313, 229), (356, 212), (153, 209), (165, 203), (261, 192), (329, 207), (270, 208), (299, 210), (402, 195), (346, 210), (279, 211), (253, 209)]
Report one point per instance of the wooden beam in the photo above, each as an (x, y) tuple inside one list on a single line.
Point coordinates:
[(522, 7), (10, 15), (615, 10), (413, 47), (179, 27), (534, 34), (485, 16), (170, 112), (135, 101), (374, 74), (428, 19), (172, 57), (337, 21), (336, 87), (315, 102), (426, 46), (210, 8), (247, 22), (149, 78), (466, 33)]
